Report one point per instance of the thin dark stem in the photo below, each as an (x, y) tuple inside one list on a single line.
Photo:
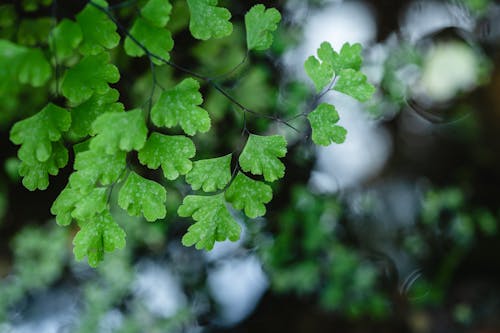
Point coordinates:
[(207, 79), (234, 69)]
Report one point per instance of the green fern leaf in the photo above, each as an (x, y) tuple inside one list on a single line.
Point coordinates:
[(94, 167), (140, 195), (209, 21), (34, 68), (36, 133), (260, 24), (65, 38), (36, 174), (321, 71), (348, 58), (172, 152), (179, 105), (98, 31), (157, 41), (91, 75), (213, 221), (157, 12), (119, 131), (84, 114), (74, 204), (324, 130), (249, 195), (98, 235), (261, 156), (210, 174), (354, 84)]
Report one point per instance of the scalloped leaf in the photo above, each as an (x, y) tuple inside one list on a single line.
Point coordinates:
[(36, 174), (172, 152), (72, 204), (260, 24), (86, 113), (157, 12), (213, 221), (91, 75), (37, 133), (321, 71), (98, 235), (179, 106), (261, 156), (209, 21), (119, 131), (65, 38), (324, 130), (354, 84), (249, 195), (210, 174), (98, 31), (156, 40), (143, 196)]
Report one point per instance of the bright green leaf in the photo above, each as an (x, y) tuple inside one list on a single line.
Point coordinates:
[(210, 174), (157, 41), (179, 105), (99, 32), (117, 131), (75, 204), (321, 73), (172, 152), (36, 174), (209, 21), (84, 114), (140, 195), (213, 221), (65, 38), (261, 156), (36, 133), (250, 195), (157, 12), (34, 68), (324, 130), (354, 84), (260, 25), (96, 236), (91, 75), (349, 57), (93, 167)]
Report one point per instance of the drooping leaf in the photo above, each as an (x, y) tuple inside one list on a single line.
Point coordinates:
[(117, 131), (213, 221), (157, 12), (94, 166), (36, 174), (98, 31), (249, 195), (96, 236), (84, 114), (210, 174), (354, 84), (172, 152), (156, 40), (36, 133), (74, 204), (91, 75), (179, 106), (207, 20), (324, 130), (261, 156), (65, 38), (260, 24), (321, 71), (143, 196)]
